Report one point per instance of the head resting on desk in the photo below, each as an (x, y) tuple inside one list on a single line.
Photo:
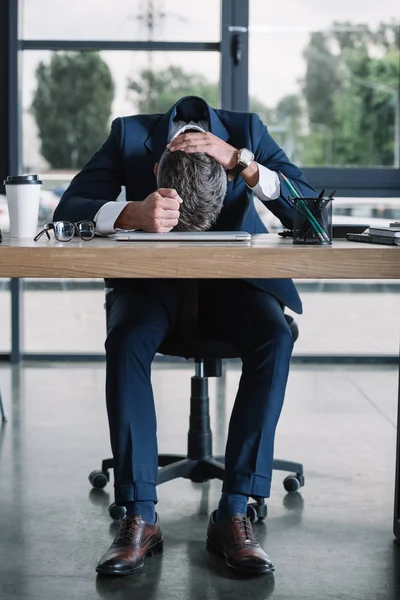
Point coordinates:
[(201, 183)]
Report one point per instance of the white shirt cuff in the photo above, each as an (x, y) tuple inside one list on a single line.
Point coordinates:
[(268, 186), (106, 217)]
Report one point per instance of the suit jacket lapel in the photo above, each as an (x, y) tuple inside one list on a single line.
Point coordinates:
[(216, 125)]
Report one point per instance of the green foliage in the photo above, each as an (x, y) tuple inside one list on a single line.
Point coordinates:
[(351, 89), (345, 111), (266, 114), (343, 114), (72, 107), (157, 91), (320, 81)]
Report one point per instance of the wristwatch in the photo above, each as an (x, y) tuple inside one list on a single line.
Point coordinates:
[(244, 159)]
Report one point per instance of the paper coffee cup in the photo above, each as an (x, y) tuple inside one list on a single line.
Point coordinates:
[(23, 199)]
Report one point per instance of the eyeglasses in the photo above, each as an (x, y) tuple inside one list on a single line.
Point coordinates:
[(64, 231)]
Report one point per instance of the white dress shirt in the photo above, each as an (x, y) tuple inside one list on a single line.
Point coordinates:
[(267, 188)]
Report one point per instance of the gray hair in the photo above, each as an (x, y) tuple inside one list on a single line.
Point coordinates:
[(201, 183)]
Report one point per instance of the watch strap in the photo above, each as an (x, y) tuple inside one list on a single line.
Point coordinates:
[(238, 169)]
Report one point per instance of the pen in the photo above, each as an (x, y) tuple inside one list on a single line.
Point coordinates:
[(316, 226)]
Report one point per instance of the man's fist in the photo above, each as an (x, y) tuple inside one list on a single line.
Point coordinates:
[(158, 213)]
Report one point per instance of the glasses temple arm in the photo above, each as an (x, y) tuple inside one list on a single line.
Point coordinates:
[(39, 235)]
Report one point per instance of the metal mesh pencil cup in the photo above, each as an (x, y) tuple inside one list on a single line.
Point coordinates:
[(312, 221)]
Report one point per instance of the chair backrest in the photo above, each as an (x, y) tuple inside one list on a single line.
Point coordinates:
[(189, 316), (188, 323), (188, 342)]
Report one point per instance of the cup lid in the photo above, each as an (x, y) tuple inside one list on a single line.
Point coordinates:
[(21, 179)]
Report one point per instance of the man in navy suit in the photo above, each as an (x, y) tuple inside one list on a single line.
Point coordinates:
[(247, 313)]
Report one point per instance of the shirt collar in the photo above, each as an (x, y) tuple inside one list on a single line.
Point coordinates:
[(179, 127)]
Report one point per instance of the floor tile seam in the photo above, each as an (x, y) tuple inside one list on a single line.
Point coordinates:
[(372, 403)]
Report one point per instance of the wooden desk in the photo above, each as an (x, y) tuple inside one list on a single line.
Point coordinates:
[(266, 256)]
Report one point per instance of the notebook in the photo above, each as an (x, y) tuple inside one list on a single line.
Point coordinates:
[(373, 239), (183, 236), (385, 231)]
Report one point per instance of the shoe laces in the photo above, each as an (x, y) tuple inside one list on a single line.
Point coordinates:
[(127, 530), (243, 530)]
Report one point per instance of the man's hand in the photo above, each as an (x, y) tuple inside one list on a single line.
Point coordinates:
[(208, 143), (158, 213)]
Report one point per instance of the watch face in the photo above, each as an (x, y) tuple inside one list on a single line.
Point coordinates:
[(246, 157)]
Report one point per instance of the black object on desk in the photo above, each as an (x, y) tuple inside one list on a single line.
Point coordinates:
[(312, 220), (373, 239), (339, 230), (1, 237)]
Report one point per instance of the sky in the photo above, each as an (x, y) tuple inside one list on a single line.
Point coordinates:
[(278, 34)]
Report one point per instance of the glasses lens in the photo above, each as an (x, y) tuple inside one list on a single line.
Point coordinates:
[(86, 230), (64, 231)]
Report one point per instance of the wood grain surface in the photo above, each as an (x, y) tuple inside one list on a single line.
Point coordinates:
[(266, 256)]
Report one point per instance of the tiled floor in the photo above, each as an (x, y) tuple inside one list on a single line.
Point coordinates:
[(334, 541)]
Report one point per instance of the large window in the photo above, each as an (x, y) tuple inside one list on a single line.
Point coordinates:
[(326, 78), (63, 316), (160, 20), (353, 318), (70, 98)]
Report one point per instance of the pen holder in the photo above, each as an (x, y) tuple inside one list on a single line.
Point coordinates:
[(312, 221)]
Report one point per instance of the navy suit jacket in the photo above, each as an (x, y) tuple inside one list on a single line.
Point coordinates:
[(136, 143)]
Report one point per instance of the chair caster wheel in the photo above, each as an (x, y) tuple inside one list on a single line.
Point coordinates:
[(117, 513), (292, 483), (252, 513), (99, 479), (256, 512)]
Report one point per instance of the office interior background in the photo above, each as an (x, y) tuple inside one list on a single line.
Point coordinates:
[(323, 76)]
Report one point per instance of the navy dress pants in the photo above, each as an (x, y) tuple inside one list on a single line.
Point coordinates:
[(140, 314)]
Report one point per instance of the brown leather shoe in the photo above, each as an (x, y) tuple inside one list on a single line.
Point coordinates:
[(234, 538), (135, 540)]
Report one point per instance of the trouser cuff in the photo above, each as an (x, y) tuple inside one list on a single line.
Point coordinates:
[(137, 491), (248, 484)]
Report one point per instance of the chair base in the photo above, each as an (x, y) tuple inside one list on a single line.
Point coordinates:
[(174, 466), (199, 464)]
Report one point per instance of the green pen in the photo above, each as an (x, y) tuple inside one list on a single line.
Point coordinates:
[(316, 226)]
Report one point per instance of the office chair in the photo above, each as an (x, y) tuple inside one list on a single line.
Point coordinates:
[(199, 464), (2, 409)]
